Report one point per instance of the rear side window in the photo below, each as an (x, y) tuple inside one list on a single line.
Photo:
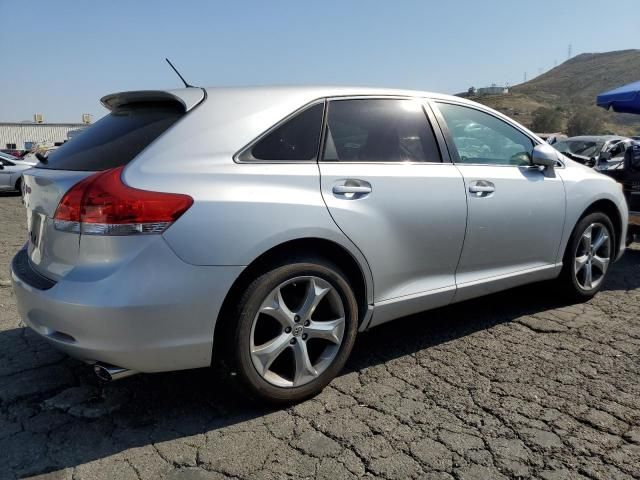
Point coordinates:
[(379, 130), (297, 139), (114, 140)]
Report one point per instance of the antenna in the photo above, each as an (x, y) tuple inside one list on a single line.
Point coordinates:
[(569, 52), (178, 73)]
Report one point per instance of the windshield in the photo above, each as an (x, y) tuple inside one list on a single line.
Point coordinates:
[(586, 148)]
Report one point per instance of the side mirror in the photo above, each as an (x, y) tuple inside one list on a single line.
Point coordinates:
[(544, 155), (1, 166)]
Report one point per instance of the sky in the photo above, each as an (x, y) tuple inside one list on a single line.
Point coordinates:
[(59, 57)]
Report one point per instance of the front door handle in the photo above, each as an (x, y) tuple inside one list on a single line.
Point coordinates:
[(482, 188), (351, 189)]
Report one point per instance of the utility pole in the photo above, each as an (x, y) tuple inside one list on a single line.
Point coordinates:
[(569, 52), (525, 76)]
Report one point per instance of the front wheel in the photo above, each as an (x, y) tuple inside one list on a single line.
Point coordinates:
[(589, 255), (296, 327)]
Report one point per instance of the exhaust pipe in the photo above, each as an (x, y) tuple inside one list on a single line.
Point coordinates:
[(109, 373)]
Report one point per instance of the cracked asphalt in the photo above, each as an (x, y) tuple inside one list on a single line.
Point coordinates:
[(517, 385)]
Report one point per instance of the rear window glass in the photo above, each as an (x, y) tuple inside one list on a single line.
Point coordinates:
[(114, 140), (296, 139)]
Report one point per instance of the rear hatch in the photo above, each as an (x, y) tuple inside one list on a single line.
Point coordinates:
[(135, 121)]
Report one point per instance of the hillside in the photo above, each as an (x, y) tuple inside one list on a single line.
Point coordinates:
[(574, 85)]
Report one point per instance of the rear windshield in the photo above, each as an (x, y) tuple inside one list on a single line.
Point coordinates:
[(114, 140)]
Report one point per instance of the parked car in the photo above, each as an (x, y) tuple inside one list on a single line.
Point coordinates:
[(587, 149), (552, 138), (606, 153), (11, 170), (14, 152), (622, 163), (42, 152), (268, 226)]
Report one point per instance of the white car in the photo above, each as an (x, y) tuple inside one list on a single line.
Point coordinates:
[(11, 170)]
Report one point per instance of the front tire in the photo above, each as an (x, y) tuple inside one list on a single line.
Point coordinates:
[(588, 257), (296, 326)]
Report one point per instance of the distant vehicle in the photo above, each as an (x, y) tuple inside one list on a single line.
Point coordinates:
[(622, 163), (636, 138), (13, 152), (11, 170), (587, 149), (32, 156), (552, 138)]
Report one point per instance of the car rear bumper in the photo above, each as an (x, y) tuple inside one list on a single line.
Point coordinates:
[(153, 313)]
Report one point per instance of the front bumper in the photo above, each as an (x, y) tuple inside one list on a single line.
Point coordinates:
[(153, 313)]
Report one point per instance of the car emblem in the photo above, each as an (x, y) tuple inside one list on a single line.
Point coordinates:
[(297, 330)]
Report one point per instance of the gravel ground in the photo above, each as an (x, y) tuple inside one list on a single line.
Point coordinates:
[(516, 385)]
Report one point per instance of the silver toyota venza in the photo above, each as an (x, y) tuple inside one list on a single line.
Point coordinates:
[(267, 226)]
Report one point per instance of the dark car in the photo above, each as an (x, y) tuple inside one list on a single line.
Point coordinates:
[(588, 149), (14, 152), (622, 162)]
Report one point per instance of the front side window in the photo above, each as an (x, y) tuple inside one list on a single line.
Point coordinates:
[(295, 140), (379, 130), (483, 139)]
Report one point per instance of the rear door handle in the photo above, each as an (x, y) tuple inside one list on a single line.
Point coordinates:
[(351, 189), (342, 189), (482, 188)]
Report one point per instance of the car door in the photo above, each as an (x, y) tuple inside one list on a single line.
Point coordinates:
[(390, 191), (515, 210)]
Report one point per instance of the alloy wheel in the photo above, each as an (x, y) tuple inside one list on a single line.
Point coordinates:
[(297, 332), (592, 256)]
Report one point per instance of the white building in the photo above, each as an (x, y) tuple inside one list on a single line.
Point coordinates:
[(22, 136), (493, 90)]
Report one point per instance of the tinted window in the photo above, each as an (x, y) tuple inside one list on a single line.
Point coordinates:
[(116, 139), (296, 139), (484, 139), (379, 131)]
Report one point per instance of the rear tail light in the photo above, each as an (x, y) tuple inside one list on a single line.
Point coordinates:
[(102, 204)]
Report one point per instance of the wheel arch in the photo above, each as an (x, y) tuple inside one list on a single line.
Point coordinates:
[(610, 209), (358, 275)]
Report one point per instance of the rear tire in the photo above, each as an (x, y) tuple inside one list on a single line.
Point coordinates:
[(589, 256), (296, 326)]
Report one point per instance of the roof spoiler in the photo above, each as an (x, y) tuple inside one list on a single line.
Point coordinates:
[(188, 98)]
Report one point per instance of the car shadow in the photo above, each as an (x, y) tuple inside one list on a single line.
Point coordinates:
[(55, 414)]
